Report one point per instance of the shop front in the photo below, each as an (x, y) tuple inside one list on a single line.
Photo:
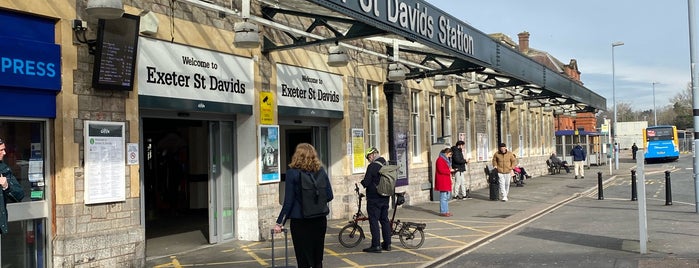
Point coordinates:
[(30, 78)]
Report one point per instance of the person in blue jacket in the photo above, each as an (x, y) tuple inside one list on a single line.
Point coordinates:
[(11, 190), (376, 205), (579, 156)]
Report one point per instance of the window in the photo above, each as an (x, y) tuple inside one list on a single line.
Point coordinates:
[(26, 155), (372, 106), (433, 118), (447, 118), (415, 124)]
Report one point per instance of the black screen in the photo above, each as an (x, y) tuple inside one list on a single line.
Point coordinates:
[(115, 56)]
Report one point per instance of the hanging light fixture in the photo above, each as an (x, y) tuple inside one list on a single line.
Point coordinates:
[(548, 108), (337, 56), (518, 100), (474, 90), (440, 82), (573, 114), (246, 35), (105, 9), (395, 72), (534, 104), (499, 95)]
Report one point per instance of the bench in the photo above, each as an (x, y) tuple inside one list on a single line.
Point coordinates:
[(553, 168)]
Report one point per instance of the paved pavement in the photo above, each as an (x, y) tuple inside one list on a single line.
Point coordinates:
[(552, 221)]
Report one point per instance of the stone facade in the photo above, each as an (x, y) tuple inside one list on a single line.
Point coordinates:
[(112, 234)]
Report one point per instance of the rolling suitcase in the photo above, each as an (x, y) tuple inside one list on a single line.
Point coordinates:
[(494, 191), (494, 185), (286, 249)]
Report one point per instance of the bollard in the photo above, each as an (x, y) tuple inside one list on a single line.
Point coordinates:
[(634, 192), (668, 189), (600, 190)]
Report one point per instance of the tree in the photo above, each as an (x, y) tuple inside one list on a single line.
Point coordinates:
[(682, 107)]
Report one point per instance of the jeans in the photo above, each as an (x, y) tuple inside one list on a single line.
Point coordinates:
[(459, 184), (378, 214), (444, 198)]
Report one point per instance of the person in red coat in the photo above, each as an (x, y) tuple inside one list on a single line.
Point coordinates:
[(442, 181)]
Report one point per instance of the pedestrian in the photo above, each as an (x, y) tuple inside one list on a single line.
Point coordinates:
[(376, 204), (634, 149), (458, 163), (442, 180), (558, 162), (307, 234), (579, 156), (504, 161), (11, 190)]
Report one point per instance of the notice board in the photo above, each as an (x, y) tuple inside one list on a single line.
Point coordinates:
[(105, 162)]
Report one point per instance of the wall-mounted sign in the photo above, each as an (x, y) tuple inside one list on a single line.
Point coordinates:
[(301, 87), (269, 151), (266, 108), (115, 56), (30, 64), (105, 168), (358, 160), (176, 71)]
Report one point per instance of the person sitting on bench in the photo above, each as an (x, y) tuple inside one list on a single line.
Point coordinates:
[(557, 161)]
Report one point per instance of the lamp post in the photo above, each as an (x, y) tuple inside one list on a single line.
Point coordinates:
[(655, 112), (616, 148)]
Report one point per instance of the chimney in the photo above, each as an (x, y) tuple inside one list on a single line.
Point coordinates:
[(523, 42)]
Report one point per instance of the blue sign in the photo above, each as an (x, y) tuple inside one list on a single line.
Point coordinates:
[(30, 64)]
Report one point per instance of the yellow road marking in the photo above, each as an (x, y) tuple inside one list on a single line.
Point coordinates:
[(470, 228), (254, 256), (429, 258), (346, 260), (174, 263)]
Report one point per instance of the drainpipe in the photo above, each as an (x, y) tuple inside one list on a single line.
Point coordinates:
[(391, 89), (499, 107)]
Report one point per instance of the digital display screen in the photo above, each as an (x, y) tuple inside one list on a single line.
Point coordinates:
[(115, 56)]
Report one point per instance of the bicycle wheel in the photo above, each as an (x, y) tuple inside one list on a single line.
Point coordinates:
[(411, 237), (351, 235)]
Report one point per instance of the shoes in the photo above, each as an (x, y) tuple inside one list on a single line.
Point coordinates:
[(447, 214), (582, 177), (372, 249), (385, 247), (529, 176), (576, 177), (504, 199)]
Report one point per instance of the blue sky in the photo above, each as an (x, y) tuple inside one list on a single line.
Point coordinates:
[(655, 36)]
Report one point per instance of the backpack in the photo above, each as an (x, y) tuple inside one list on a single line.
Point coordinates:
[(387, 181), (314, 195)]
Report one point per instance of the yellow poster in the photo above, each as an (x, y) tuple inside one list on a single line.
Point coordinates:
[(358, 150), (266, 108)]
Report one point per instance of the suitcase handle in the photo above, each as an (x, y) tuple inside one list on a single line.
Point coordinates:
[(286, 247)]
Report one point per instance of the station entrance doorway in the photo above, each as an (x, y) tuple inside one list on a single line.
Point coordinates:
[(187, 180)]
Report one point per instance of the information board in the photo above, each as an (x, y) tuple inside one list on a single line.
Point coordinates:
[(105, 162), (115, 56)]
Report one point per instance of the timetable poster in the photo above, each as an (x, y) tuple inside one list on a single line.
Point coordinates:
[(105, 162)]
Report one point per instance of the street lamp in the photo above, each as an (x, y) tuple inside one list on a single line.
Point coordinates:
[(616, 149), (655, 112)]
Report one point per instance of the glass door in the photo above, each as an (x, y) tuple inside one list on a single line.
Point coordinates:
[(221, 181)]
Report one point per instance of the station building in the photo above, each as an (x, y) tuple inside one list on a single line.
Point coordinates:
[(180, 116)]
